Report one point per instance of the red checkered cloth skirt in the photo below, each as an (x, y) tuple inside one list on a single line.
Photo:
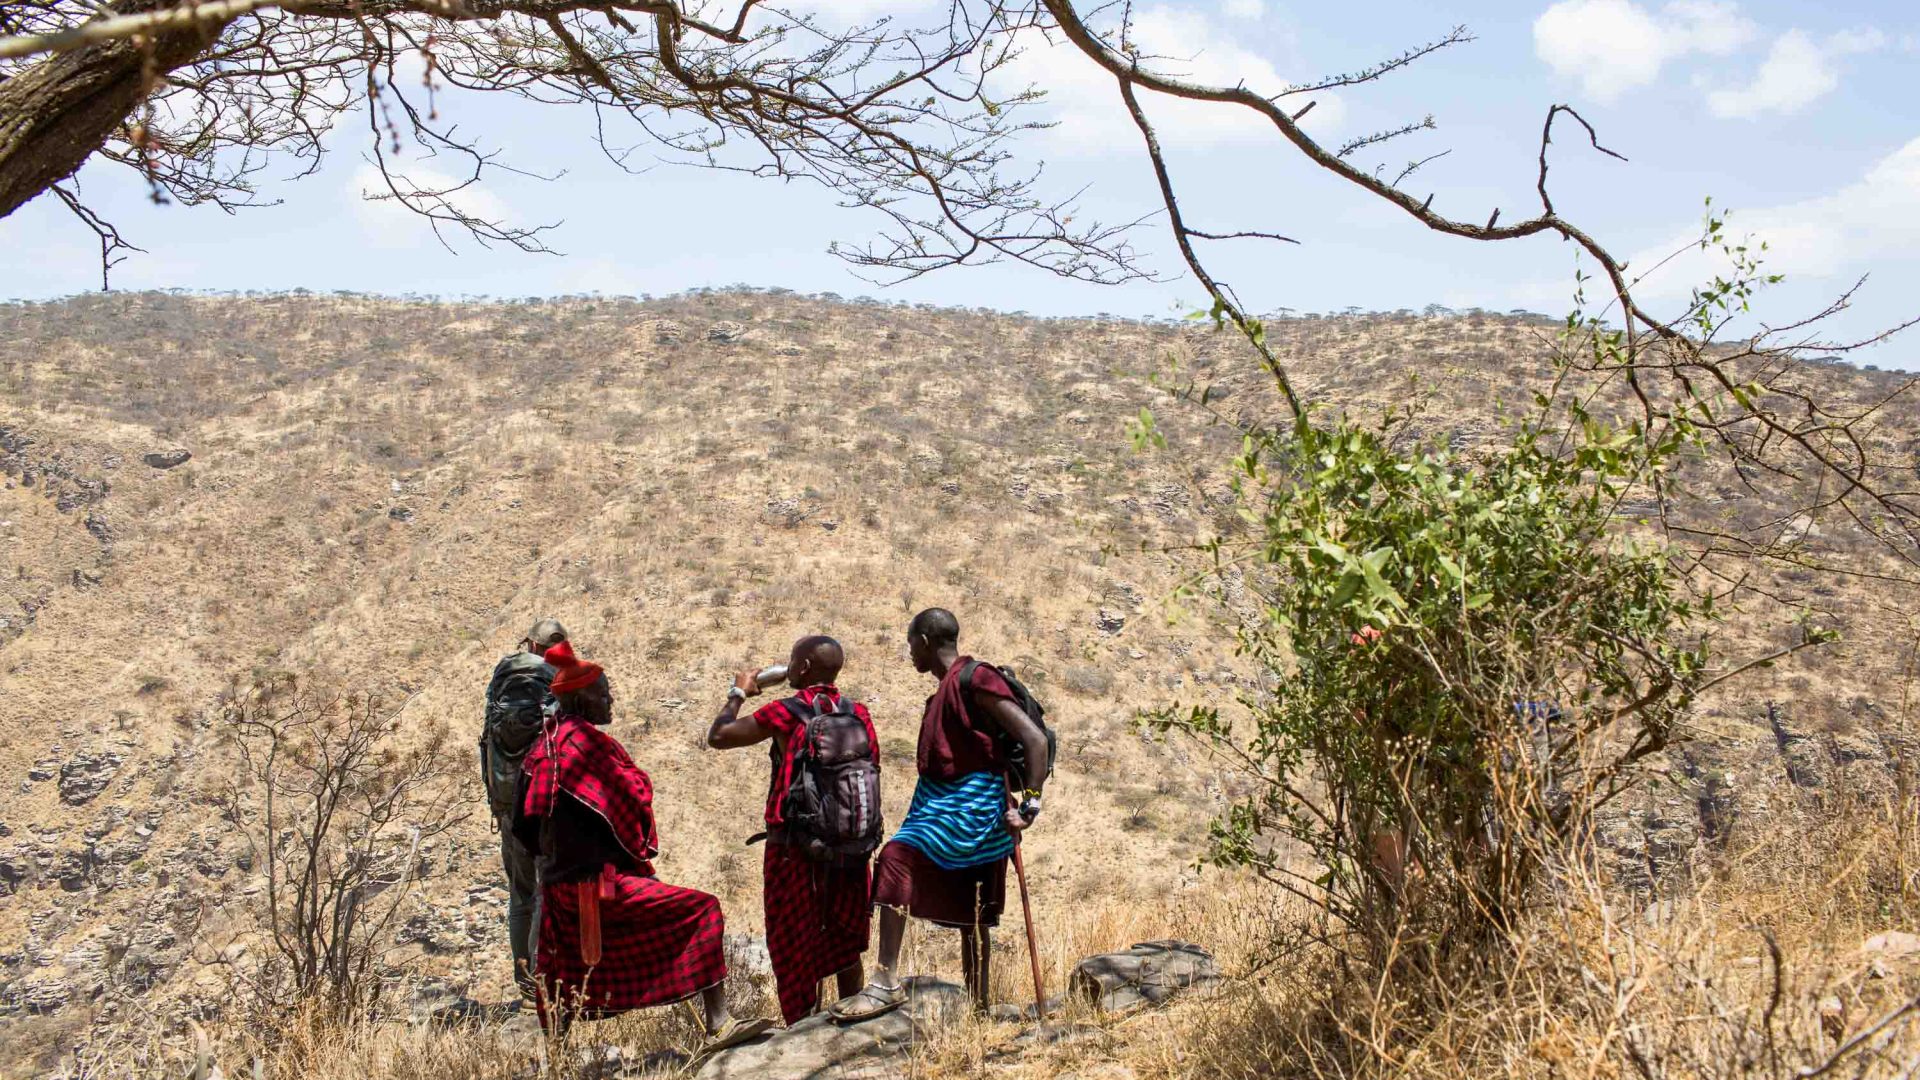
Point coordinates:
[(818, 918), (658, 944), (904, 877)]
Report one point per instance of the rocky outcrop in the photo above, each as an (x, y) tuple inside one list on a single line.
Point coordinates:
[(86, 775), (167, 459), (1147, 974), (1799, 753), (819, 1047)]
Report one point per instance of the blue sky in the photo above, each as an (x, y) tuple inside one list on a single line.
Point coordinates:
[(1800, 117)]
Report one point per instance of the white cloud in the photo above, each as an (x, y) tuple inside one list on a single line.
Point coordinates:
[(1613, 46), (1244, 9), (388, 224), (1085, 101), (1797, 71), (1870, 222)]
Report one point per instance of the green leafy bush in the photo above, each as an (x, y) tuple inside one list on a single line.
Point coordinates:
[(1464, 657)]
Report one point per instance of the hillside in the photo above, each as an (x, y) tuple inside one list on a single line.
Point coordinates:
[(391, 490)]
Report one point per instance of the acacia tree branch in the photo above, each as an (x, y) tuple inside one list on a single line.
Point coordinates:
[(112, 244), (895, 121), (1742, 398), (1182, 237)]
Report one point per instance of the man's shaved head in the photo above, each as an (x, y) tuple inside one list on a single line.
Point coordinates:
[(937, 625), (815, 659), (929, 634)]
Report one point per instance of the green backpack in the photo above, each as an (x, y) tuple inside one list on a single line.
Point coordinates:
[(514, 699)]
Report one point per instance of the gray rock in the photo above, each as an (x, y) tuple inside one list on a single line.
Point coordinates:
[(817, 1047), (87, 775), (1108, 621), (1796, 750), (168, 459), (1060, 1035), (401, 514), (747, 956), (36, 995), (726, 333), (1147, 974), (15, 869)]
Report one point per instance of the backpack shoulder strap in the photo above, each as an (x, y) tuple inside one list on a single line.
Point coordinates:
[(967, 670)]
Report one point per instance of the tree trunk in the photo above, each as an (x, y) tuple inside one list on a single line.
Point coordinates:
[(55, 114)]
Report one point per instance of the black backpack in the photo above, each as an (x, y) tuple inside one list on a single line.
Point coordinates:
[(1012, 750), (832, 806), (514, 699)]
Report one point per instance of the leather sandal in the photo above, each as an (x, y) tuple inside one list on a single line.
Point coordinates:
[(875, 1000), (736, 1031)]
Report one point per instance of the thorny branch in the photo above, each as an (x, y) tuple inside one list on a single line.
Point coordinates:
[(1749, 397), (112, 244), (906, 122)]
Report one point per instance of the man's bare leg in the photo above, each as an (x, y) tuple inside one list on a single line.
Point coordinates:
[(976, 964), (850, 980), (884, 993), (713, 1003), (893, 931)]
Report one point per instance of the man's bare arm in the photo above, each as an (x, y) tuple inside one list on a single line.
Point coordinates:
[(1015, 722), (730, 730)]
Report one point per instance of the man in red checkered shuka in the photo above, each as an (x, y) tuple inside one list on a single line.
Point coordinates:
[(818, 914), (608, 935)]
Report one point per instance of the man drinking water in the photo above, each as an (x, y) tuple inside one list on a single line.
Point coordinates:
[(823, 821)]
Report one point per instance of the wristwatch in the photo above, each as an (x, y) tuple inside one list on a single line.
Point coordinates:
[(1030, 808), (734, 693)]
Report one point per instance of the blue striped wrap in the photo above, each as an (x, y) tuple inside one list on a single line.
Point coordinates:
[(959, 823)]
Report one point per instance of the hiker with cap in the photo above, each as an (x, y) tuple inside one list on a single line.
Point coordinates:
[(515, 695), (948, 861), (823, 821), (610, 936)]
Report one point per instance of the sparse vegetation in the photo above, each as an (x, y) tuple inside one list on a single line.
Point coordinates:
[(202, 584)]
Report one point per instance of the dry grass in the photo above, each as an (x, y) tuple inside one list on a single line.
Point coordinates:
[(670, 502), (1758, 972)]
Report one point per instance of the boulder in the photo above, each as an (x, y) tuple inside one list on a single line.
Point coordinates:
[(168, 459), (1797, 750), (1890, 953), (726, 333), (87, 775), (1147, 974), (819, 1047)]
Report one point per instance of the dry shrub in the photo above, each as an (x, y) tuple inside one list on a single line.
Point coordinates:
[(1767, 969)]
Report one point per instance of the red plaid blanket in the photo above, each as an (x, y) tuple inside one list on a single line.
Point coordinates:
[(817, 922), (659, 944), (620, 940), (574, 757)]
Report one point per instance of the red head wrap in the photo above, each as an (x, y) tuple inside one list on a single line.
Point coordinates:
[(570, 672)]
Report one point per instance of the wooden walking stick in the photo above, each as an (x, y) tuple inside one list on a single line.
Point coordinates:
[(1033, 945)]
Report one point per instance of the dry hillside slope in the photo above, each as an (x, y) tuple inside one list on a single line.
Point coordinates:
[(390, 490)]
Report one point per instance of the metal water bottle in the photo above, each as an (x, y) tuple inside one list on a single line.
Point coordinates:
[(771, 676)]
